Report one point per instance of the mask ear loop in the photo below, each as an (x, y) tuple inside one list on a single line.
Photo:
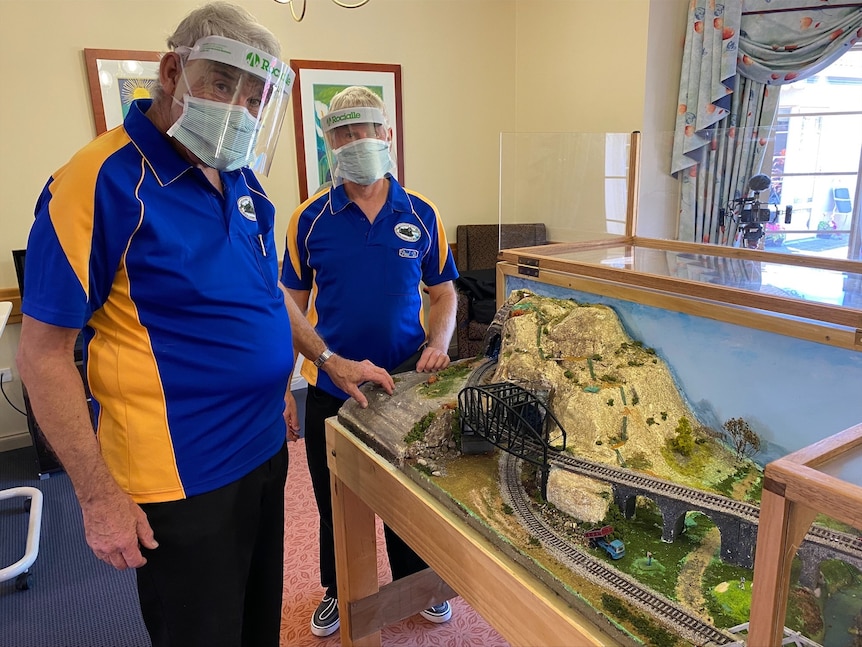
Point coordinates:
[(182, 52)]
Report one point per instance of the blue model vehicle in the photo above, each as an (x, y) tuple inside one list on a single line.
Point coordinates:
[(598, 538), (615, 548)]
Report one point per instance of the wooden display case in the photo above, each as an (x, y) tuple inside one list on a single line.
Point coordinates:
[(825, 477), (773, 339), (739, 345), (813, 298), (770, 337)]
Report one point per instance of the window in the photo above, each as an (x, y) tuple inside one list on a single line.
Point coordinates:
[(817, 159)]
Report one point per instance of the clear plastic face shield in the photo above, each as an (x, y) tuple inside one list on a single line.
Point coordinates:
[(358, 145), (234, 102)]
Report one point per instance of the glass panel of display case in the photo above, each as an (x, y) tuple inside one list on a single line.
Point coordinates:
[(809, 545), (575, 183), (824, 586), (847, 468), (746, 188), (772, 276)]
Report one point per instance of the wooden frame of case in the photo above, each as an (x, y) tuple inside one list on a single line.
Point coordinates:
[(795, 489)]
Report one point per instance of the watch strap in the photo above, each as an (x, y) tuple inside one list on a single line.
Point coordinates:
[(321, 359)]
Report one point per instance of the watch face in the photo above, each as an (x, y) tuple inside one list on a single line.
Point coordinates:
[(325, 355)]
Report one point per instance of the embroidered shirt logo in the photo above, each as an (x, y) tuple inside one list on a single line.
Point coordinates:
[(246, 208), (408, 232), (408, 253)]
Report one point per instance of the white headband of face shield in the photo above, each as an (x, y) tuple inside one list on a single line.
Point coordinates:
[(348, 116), (245, 58)]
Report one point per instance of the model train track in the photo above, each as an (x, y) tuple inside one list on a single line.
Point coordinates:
[(683, 623), (848, 544), (839, 541), (650, 484)]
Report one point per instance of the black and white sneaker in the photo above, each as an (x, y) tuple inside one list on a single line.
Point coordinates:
[(325, 619), (438, 614)]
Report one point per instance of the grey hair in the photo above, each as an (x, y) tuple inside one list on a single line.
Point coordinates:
[(357, 96), (220, 19), (227, 20)]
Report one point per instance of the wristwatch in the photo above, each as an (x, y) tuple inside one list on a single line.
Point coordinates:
[(325, 355)]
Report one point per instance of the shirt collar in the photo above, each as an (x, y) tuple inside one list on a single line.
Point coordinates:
[(397, 198), (166, 163)]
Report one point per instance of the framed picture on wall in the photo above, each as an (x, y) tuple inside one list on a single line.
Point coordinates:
[(117, 77), (315, 85)]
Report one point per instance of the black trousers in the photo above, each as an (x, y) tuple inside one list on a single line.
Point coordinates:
[(319, 406), (216, 578)]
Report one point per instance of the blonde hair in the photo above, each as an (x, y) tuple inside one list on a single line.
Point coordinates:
[(357, 96)]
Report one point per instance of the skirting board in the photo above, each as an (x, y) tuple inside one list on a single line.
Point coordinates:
[(15, 441)]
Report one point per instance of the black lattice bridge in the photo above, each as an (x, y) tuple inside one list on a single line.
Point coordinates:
[(513, 419)]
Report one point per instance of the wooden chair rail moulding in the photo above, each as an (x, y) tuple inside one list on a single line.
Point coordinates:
[(11, 294)]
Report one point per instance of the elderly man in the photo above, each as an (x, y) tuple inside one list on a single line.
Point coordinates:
[(156, 239)]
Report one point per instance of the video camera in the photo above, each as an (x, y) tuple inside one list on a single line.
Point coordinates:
[(750, 213)]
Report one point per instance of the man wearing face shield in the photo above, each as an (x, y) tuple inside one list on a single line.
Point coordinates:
[(156, 239), (358, 252)]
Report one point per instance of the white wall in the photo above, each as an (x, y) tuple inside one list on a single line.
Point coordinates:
[(471, 69)]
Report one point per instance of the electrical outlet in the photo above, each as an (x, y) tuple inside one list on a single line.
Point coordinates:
[(5, 374)]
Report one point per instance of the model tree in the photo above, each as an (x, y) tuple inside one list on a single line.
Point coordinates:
[(683, 442), (742, 438)]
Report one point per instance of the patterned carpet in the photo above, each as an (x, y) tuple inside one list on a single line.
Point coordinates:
[(76, 600), (302, 591)]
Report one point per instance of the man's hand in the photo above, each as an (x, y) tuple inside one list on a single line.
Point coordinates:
[(431, 360), (347, 375), (116, 528), (291, 417)]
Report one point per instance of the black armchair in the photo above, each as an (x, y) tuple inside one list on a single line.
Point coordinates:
[(476, 259)]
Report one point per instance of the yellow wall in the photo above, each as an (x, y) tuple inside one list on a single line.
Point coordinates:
[(580, 66), (471, 69)]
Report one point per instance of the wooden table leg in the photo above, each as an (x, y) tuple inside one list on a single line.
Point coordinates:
[(355, 557), (783, 523)]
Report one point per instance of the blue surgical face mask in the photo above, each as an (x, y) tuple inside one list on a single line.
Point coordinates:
[(221, 135), (364, 161)]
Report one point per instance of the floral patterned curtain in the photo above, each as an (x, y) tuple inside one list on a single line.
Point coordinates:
[(734, 55)]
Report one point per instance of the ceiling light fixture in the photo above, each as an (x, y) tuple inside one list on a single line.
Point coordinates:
[(340, 3)]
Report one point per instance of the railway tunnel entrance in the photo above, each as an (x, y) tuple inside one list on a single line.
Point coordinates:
[(510, 417)]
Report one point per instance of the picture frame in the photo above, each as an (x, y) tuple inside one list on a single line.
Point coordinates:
[(117, 77), (315, 84)]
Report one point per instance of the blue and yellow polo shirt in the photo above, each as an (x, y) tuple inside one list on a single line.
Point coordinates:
[(187, 341), (365, 278)]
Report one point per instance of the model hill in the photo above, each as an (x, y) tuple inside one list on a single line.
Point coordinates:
[(614, 396)]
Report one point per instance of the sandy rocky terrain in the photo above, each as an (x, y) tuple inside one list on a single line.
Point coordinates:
[(601, 383), (615, 398)]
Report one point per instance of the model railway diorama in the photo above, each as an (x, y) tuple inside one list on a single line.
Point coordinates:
[(573, 448)]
